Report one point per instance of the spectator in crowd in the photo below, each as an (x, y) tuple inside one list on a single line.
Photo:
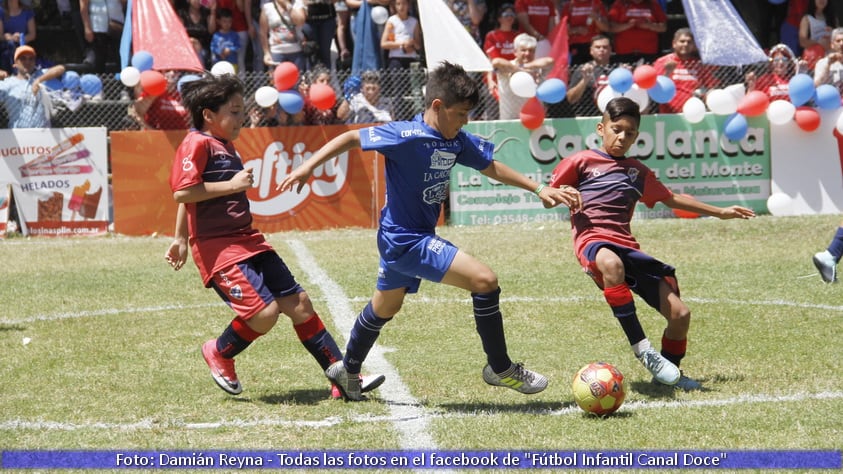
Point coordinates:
[(163, 112), (537, 18), (525, 60), (27, 102), (272, 116), (401, 37), (471, 14), (586, 19), (314, 116), (280, 21), (200, 24), (344, 43), (499, 43), (368, 106), (684, 67), (637, 25), (829, 70), (590, 78), (18, 29), (790, 28), (252, 11), (239, 26), (783, 66), (102, 21), (321, 28), (816, 25), (225, 42)]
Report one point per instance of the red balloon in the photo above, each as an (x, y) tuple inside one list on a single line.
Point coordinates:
[(812, 54), (683, 214), (153, 82), (807, 118), (285, 76), (532, 114), (322, 96), (753, 104), (645, 76)]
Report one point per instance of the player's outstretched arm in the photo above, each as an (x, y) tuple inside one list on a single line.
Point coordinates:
[(550, 196), (678, 201), (336, 146)]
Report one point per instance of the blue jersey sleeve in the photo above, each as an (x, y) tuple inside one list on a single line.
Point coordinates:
[(476, 153), (382, 138)]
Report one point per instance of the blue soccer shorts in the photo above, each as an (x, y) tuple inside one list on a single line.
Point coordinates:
[(248, 286), (408, 257)]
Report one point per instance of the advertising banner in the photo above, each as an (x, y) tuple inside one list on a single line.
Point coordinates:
[(344, 192), (59, 179), (692, 159)]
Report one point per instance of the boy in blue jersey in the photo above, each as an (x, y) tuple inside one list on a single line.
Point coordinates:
[(611, 185), (420, 154)]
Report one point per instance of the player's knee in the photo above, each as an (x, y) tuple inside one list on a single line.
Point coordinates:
[(484, 282)]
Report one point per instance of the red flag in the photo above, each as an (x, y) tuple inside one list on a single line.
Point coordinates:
[(157, 30), (559, 51)]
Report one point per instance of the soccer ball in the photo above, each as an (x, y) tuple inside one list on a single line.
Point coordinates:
[(598, 388)]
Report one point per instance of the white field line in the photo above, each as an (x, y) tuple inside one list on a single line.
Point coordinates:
[(413, 299), (407, 415), (158, 424)]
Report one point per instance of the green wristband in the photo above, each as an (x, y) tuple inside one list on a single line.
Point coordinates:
[(539, 189)]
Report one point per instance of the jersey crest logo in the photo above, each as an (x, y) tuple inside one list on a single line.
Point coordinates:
[(442, 160), (236, 292), (633, 174)]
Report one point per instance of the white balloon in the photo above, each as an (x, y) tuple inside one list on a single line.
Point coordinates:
[(639, 96), (721, 102), (738, 91), (222, 68), (780, 112), (605, 96), (839, 124), (380, 15), (266, 96), (130, 76), (694, 110), (780, 204), (523, 84)]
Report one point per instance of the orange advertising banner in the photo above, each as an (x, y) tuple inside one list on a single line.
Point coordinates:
[(346, 191)]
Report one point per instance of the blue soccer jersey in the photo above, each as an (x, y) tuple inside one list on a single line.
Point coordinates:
[(418, 169)]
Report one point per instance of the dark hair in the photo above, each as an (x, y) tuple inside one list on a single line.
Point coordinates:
[(452, 85), (620, 106), (599, 37), (209, 92), (224, 13), (684, 31)]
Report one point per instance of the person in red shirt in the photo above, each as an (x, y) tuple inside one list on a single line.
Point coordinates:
[(687, 71), (775, 83), (611, 184), (537, 18), (586, 19), (162, 112), (500, 43), (209, 183), (637, 25)]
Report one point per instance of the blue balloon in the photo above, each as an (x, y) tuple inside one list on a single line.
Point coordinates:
[(827, 97), (801, 89), (70, 80), (663, 91), (551, 91), (290, 101), (185, 79), (620, 79), (735, 127), (53, 84), (142, 60), (90, 84)]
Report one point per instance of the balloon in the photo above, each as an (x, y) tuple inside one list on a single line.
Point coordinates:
[(523, 84), (683, 214), (780, 204), (291, 101), (663, 91), (721, 102), (532, 114), (222, 68), (153, 82), (130, 76), (551, 91), (285, 75), (807, 118), (322, 96), (812, 54), (738, 91), (801, 89), (754, 104), (605, 96), (638, 95), (735, 127), (694, 110), (827, 97), (839, 124), (780, 112), (380, 15), (90, 84), (70, 80), (645, 76), (266, 96), (620, 79), (142, 60), (187, 78)]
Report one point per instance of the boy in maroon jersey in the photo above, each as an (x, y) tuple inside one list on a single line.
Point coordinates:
[(611, 184), (209, 183)]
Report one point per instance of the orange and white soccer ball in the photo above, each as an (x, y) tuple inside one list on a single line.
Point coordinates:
[(598, 388)]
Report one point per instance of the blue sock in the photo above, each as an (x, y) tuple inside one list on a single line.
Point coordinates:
[(365, 332), (835, 248), (489, 322)]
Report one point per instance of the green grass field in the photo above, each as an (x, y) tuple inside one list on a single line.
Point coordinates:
[(112, 361)]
